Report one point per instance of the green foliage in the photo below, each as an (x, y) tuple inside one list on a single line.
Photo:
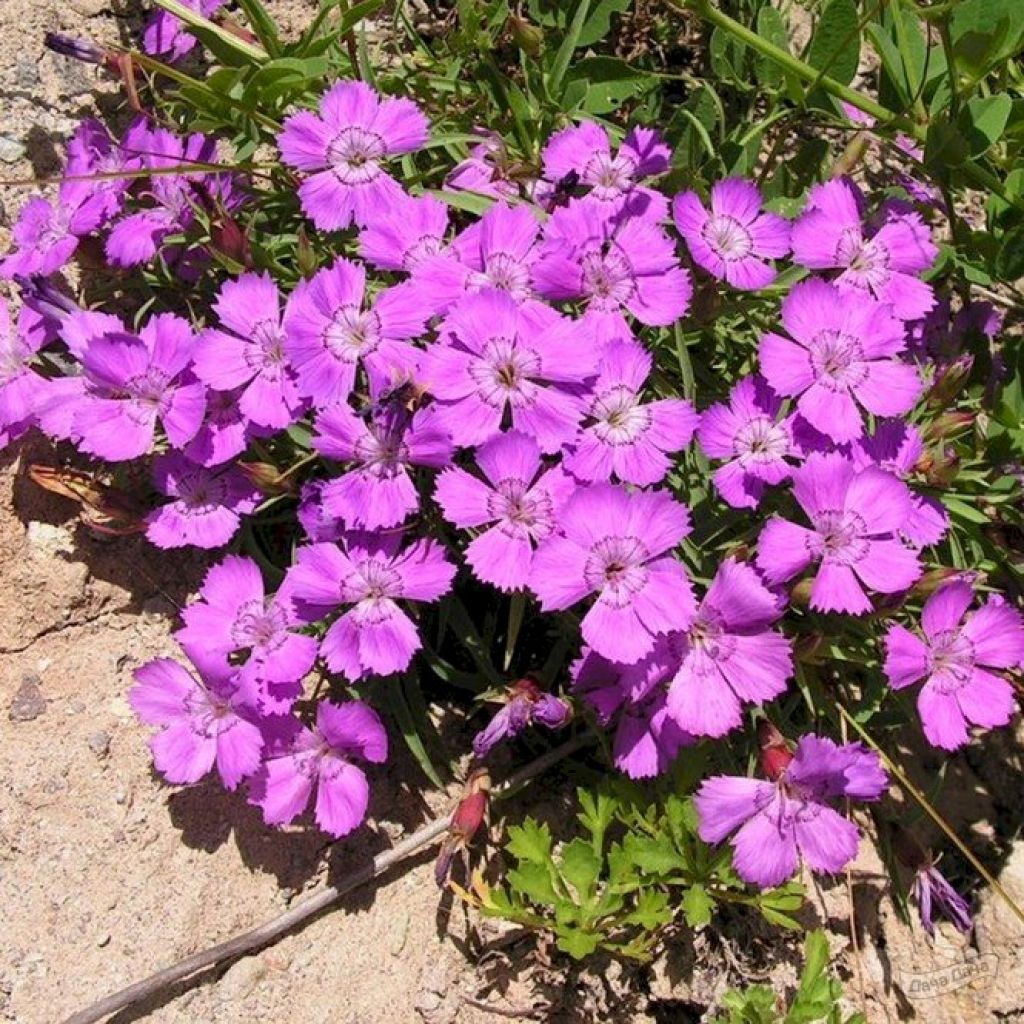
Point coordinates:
[(817, 998), (637, 868)]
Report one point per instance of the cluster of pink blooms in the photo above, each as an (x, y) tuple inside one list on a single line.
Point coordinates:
[(494, 372)]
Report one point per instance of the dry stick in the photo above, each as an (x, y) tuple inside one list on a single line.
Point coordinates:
[(272, 930)]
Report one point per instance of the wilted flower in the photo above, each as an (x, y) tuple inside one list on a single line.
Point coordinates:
[(527, 705), (166, 35)]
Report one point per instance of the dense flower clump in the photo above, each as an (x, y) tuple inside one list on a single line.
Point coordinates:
[(478, 396)]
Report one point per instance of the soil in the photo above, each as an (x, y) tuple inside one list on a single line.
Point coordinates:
[(106, 874)]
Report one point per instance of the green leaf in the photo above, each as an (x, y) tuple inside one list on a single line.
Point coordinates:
[(596, 814), (772, 27), (1010, 258), (697, 906), (983, 120), (984, 32), (599, 23), (530, 842), (417, 730), (262, 24), (651, 911), (835, 45), (357, 13), (653, 855), (610, 82), (534, 882), (564, 55), (580, 866), (578, 944), (944, 146)]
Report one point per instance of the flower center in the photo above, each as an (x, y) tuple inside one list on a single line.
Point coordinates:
[(148, 388), (257, 625), (503, 371), (518, 510), (608, 278), (354, 155), (352, 333), (837, 360), (952, 655), (382, 451), (609, 175), (420, 250), (615, 567), (373, 585), (621, 419), (266, 353), (506, 272), (842, 536), (201, 493), (709, 641), (728, 237), (760, 440)]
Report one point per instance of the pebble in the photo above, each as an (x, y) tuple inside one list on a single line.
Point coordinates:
[(11, 150), (241, 979), (29, 702), (99, 743)]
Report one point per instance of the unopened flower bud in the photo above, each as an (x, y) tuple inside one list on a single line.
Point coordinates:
[(800, 595), (948, 424), (527, 36), (230, 239), (775, 753), (942, 470), (267, 478), (935, 578), (949, 381), (78, 49), (305, 255)]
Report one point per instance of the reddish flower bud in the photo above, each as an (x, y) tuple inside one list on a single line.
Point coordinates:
[(775, 752)]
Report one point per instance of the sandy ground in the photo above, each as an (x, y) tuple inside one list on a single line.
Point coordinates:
[(106, 874)]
